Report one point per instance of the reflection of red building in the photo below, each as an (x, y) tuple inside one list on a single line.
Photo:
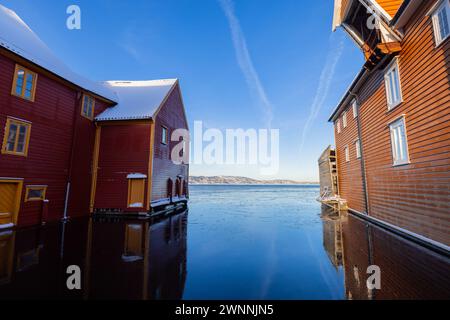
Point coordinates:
[(118, 260), (70, 146), (408, 271)]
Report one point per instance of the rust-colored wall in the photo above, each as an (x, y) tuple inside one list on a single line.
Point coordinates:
[(350, 177), (171, 116), (414, 196), (52, 115), (124, 149)]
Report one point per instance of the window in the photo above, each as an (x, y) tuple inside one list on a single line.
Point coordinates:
[(338, 126), (35, 193), (87, 109), (355, 109), (164, 135), (344, 119), (358, 148), (24, 84), (399, 142), (441, 22), (17, 137), (347, 154), (393, 88)]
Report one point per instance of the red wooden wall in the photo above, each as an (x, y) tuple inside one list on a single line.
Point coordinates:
[(124, 149), (54, 114), (171, 116)]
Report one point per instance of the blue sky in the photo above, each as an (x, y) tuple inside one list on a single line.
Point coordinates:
[(284, 60)]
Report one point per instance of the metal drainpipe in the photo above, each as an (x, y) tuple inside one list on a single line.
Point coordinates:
[(72, 151), (361, 144)]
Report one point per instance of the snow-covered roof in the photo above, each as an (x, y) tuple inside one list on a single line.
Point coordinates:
[(137, 99), (17, 36)]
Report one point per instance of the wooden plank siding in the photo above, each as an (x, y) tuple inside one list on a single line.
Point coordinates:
[(415, 196), (350, 173), (55, 116), (390, 6), (124, 149), (172, 117)]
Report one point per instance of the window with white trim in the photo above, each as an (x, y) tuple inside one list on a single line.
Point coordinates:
[(355, 109), (399, 142), (344, 119), (347, 154), (393, 86), (441, 22), (358, 148), (338, 126), (164, 135)]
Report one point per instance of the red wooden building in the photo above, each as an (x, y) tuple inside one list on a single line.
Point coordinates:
[(50, 139), (392, 126), (133, 165)]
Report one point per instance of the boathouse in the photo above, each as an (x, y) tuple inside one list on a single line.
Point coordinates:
[(392, 127), (133, 165), (57, 127)]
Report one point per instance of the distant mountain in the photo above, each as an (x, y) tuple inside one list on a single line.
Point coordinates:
[(241, 180)]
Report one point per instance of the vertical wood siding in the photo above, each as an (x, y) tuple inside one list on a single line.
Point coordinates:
[(171, 116)]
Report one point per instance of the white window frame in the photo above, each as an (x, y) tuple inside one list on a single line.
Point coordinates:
[(396, 160), (344, 119), (358, 148), (355, 109), (338, 126), (439, 38), (347, 154), (387, 81)]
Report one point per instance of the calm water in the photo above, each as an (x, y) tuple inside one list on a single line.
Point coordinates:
[(236, 242)]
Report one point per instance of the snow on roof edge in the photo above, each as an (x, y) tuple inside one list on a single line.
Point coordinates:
[(17, 37), (146, 98)]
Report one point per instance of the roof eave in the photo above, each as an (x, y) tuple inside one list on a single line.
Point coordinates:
[(356, 82), (404, 13)]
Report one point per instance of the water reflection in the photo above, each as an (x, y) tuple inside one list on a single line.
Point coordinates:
[(408, 271), (119, 259)]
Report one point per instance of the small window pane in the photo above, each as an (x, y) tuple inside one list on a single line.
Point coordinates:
[(19, 82), (21, 140), (399, 143), (36, 194), (11, 137), (164, 135), (29, 86)]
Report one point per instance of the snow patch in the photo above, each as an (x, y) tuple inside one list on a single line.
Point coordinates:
[(137, 176), (136, 205)]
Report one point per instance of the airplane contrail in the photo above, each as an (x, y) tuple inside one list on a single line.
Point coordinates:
[(326, 77), (245, 61)]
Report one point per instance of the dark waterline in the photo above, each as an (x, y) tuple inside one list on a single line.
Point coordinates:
[(236, 242)]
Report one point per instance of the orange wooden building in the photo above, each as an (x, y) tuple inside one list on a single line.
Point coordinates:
[(392, 127)]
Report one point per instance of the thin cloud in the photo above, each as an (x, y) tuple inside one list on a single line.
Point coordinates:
[(326, 78), (245, 61)]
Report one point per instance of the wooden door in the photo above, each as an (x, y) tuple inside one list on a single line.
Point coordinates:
[(9, 191), (136, 193)]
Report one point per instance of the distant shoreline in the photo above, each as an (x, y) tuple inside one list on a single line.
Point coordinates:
[(244, 181), (256, 184)]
